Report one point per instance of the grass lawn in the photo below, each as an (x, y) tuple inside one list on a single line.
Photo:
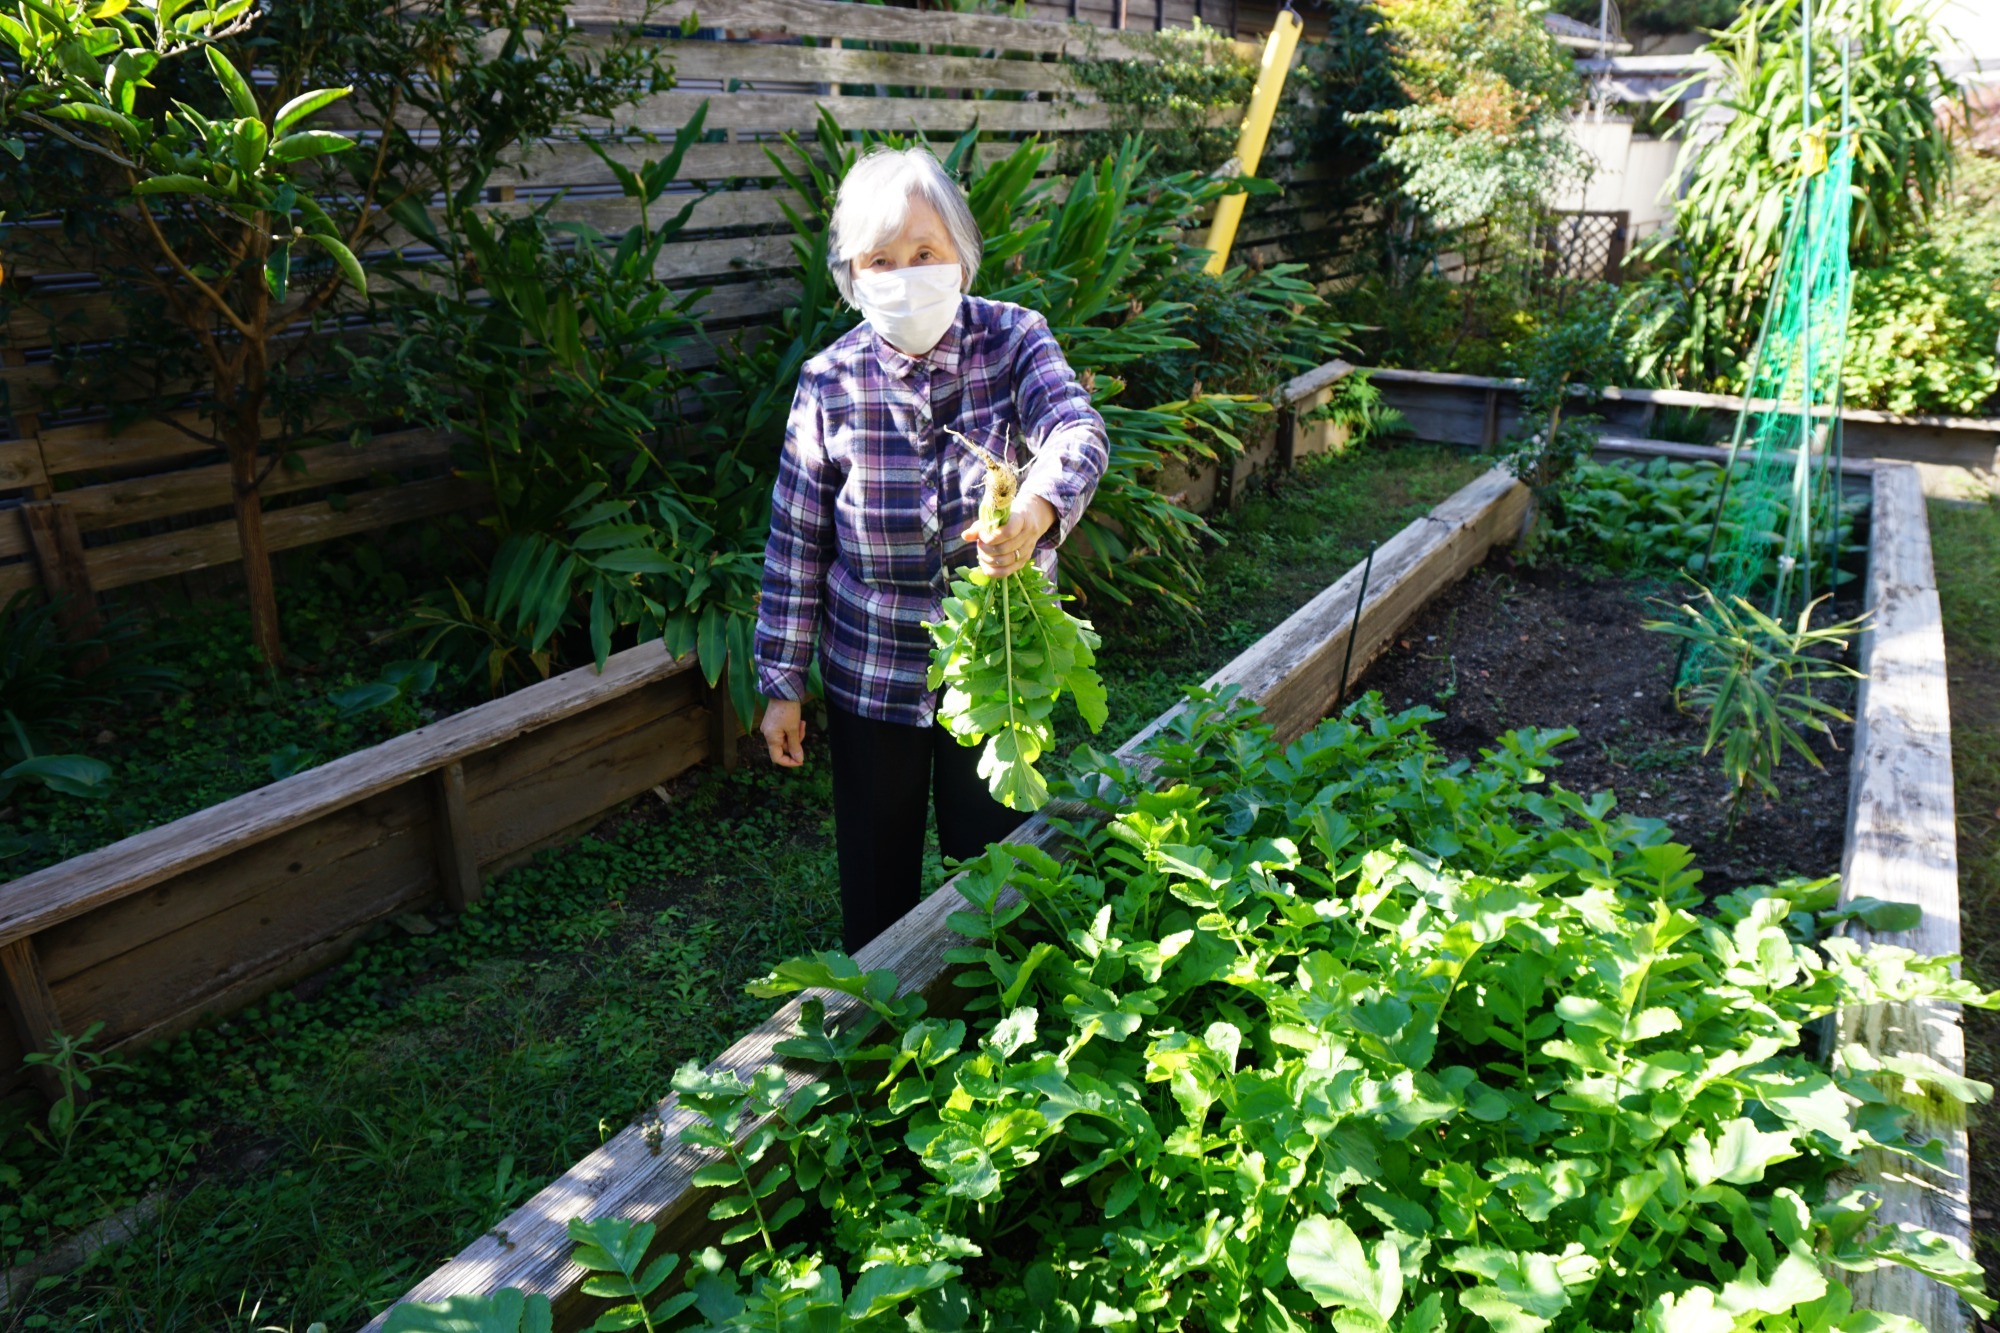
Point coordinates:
[(312, 1158), (1966, 547)]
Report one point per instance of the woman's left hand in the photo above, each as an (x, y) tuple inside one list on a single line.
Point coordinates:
[(1010, 548)]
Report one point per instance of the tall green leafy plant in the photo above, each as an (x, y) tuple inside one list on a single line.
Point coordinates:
[(1567, 363), (565, 373), (1762, 683), (1743, 145)]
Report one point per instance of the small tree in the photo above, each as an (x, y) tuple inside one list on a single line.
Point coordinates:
[(211, 196), (1480, 146)]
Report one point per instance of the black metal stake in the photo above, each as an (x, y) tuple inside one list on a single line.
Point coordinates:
[(1347, 660)]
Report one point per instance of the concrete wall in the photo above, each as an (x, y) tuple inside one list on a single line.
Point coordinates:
[(1631, 175)]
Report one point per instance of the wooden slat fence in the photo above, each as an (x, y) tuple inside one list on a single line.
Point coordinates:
[(148, 500)]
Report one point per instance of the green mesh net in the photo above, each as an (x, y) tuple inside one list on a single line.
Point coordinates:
[(1778, 529)]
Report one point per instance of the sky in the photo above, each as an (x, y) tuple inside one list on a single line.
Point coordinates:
[(1975, 27)]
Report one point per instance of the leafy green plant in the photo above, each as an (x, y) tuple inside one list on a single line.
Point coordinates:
[(231, 227), (1711, 273), (74, 1066), (398, 681), (51, 682), (1356, 404), (1577, 352), (1340, 1031), (1169, 98), (1632, 517), (1005, 652), (561, 361), (1922, 332), (1755, 676), (1487, 89)]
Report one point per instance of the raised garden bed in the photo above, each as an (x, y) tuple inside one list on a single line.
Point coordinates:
[(645, 1173), (1548, 646), (1955, 456)]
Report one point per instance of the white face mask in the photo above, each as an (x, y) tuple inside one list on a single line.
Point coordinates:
[(910, 307)]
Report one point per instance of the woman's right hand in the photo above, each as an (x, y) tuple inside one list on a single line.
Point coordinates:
[(784, 731)]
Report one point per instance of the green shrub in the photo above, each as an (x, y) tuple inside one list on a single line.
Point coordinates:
[(1632, 517), (1921, 336)]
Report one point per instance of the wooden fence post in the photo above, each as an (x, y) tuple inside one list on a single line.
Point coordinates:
[(722, 724), (32, 1007), (58, 544), (1288, 436), (451, 838)]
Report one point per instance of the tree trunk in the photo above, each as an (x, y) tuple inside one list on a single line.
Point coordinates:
[(258, 584), (244, 435)]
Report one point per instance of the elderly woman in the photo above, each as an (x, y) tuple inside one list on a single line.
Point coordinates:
[(876, 508)]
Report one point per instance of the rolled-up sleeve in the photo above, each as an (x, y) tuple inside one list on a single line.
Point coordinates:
[(798, 552), (1064, 431)]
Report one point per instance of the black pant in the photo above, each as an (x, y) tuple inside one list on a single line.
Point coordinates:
[(882, 771)]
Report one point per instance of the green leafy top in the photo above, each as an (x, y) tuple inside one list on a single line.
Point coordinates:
[(1005, 651)]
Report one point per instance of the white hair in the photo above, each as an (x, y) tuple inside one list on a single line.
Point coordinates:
[(874, 202)]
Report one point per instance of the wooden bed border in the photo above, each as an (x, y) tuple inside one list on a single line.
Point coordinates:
[(1957, 456), (1293, 672), (1902, 846)]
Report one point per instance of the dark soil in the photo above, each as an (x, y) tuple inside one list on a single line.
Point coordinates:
[(1525, 646)]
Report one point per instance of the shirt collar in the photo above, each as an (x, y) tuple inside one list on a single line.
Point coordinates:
[(943, 357)]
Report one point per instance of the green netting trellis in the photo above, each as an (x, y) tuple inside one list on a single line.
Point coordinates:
[(1778, 521), (1777, 532)]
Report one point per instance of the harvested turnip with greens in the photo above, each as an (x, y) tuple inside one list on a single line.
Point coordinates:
[(1005, 651)]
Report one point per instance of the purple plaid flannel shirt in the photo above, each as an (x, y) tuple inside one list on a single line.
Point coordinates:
[(872, 495)]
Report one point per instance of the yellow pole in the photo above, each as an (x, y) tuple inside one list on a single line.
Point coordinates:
[(1256, 127)]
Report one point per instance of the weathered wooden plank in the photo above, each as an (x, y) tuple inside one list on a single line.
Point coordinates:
[(1434, 401), (21, 465), (312, 855), (164, 494), (664, 112), (568, 162), (754, 61), (37, 901), (61, 564), (723, 726), (1314, 381), (91, 445), (523, 795), (180, 973), (834, 18), (627, 1178), (143, 558), (26, 989), (1294, 670), (451, 839), (1902, 846)]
